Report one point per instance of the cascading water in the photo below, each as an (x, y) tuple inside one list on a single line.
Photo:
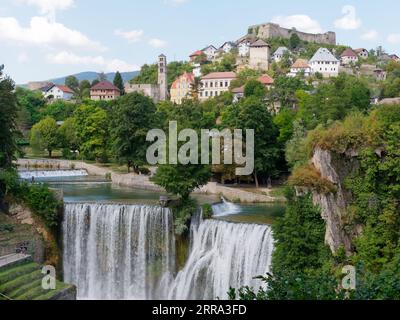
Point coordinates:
[(223, 255), (118, 251), (37, 174), (225, 208)]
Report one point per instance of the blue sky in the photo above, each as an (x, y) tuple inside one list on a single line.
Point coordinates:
[(43, 39)]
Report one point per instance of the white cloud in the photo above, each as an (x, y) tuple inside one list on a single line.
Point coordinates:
[(131, 36), (49, 7), (42, 32), (370, 35), (157, 43), (299, 21), (107, 65), (349, 21), (23, 57), (394, 38)]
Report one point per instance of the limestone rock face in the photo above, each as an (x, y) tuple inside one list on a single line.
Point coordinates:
[(335, 168)]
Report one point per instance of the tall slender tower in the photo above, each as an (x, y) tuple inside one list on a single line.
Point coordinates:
[(162, 77)]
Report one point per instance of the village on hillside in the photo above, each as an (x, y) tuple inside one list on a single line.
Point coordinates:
[(266, 51)]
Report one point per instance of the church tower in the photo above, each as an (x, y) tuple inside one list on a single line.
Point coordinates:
[(162, 77)]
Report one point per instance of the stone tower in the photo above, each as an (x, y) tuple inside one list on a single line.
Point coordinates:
[(162, 77)]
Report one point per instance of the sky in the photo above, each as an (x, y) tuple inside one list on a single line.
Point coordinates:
[(44, 39)]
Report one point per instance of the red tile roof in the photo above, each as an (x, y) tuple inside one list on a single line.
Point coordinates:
[(266, 80), (358, 51), (188, 76), (220, 75), (197, 53), (348, 53), (65, 89), (301, 64), (104, 85)]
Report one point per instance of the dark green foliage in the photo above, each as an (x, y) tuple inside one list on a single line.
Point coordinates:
[(119, 83), (72, 82), (133, 117), (254, 88), (294, 41), (30, 104), (59, 110), (183, 211), (207, 211), (8, 115)]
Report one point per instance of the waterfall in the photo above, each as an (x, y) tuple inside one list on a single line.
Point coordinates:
[(223, 255), (225, 208), (37, 174), (118, 251)]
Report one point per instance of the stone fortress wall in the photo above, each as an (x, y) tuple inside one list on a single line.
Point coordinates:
[(272, 30)]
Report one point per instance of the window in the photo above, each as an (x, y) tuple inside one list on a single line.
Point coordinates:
[(211, 84), (221, 84), (226, 84), (206, 93), (211, 93)]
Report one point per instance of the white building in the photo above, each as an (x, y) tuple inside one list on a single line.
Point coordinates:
[(214, 84), (348, 57), (260, 55), (197, 70), (58, 92), (210, 52), (300, 67), (227, 47), (243, 46), (362, 53), (279, 53), (324, 62)]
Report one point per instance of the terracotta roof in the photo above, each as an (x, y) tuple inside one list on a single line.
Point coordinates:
[(348, 53), (104, 85), (65, 89), (220, 75), (266, 80), (301, 64), (197, 53), (188, 76), (260, 43)]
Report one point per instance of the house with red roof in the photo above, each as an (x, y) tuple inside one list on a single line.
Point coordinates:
[(58, 92), (362, 53), (104, 91), (348, 56), (300, 67)]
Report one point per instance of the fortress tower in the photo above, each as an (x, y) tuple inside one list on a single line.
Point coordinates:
[(162, 77)]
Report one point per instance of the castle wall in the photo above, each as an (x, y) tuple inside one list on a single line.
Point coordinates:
[(271, 30)]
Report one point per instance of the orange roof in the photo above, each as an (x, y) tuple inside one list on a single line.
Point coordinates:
[(220, 75), (266, 80), (188, 76), (104, 85), (197, 53), (300, 64), (65, 89)]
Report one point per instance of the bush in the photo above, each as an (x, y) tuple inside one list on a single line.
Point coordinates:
[(6, 228), (207, 211), (183, 211)]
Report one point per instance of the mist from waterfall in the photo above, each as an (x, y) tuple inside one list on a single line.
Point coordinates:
[(118, 251), (223, 255)]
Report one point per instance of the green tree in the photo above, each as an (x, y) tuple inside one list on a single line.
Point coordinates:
[(102, 77), (59, 110), (254, 88), (252, 113), (68, 136), (294, 41), (119, 83), (44, 136), (30, 104), (92, 124), (8, 115), (133, 117), (72, 82), (84, 89)]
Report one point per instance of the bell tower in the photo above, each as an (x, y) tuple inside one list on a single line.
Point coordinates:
[(162, 77)]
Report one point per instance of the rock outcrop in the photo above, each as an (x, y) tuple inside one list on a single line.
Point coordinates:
[(334, 206)]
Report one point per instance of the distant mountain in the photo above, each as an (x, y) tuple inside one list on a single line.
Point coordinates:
[(90, 76), (126, 76)]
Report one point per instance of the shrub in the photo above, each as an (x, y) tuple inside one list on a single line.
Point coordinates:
[(207, 211), (309, 177)]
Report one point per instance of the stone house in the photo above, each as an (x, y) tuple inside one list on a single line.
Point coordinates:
[(260, 54)]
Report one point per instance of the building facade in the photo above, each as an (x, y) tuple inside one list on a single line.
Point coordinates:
[(182, 88), (210, 52), (260, 54), (300, 67), (348, 57), (279, 53), (58, 92), (214, 84), (104, 91), (325, 63), (362, 53)]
